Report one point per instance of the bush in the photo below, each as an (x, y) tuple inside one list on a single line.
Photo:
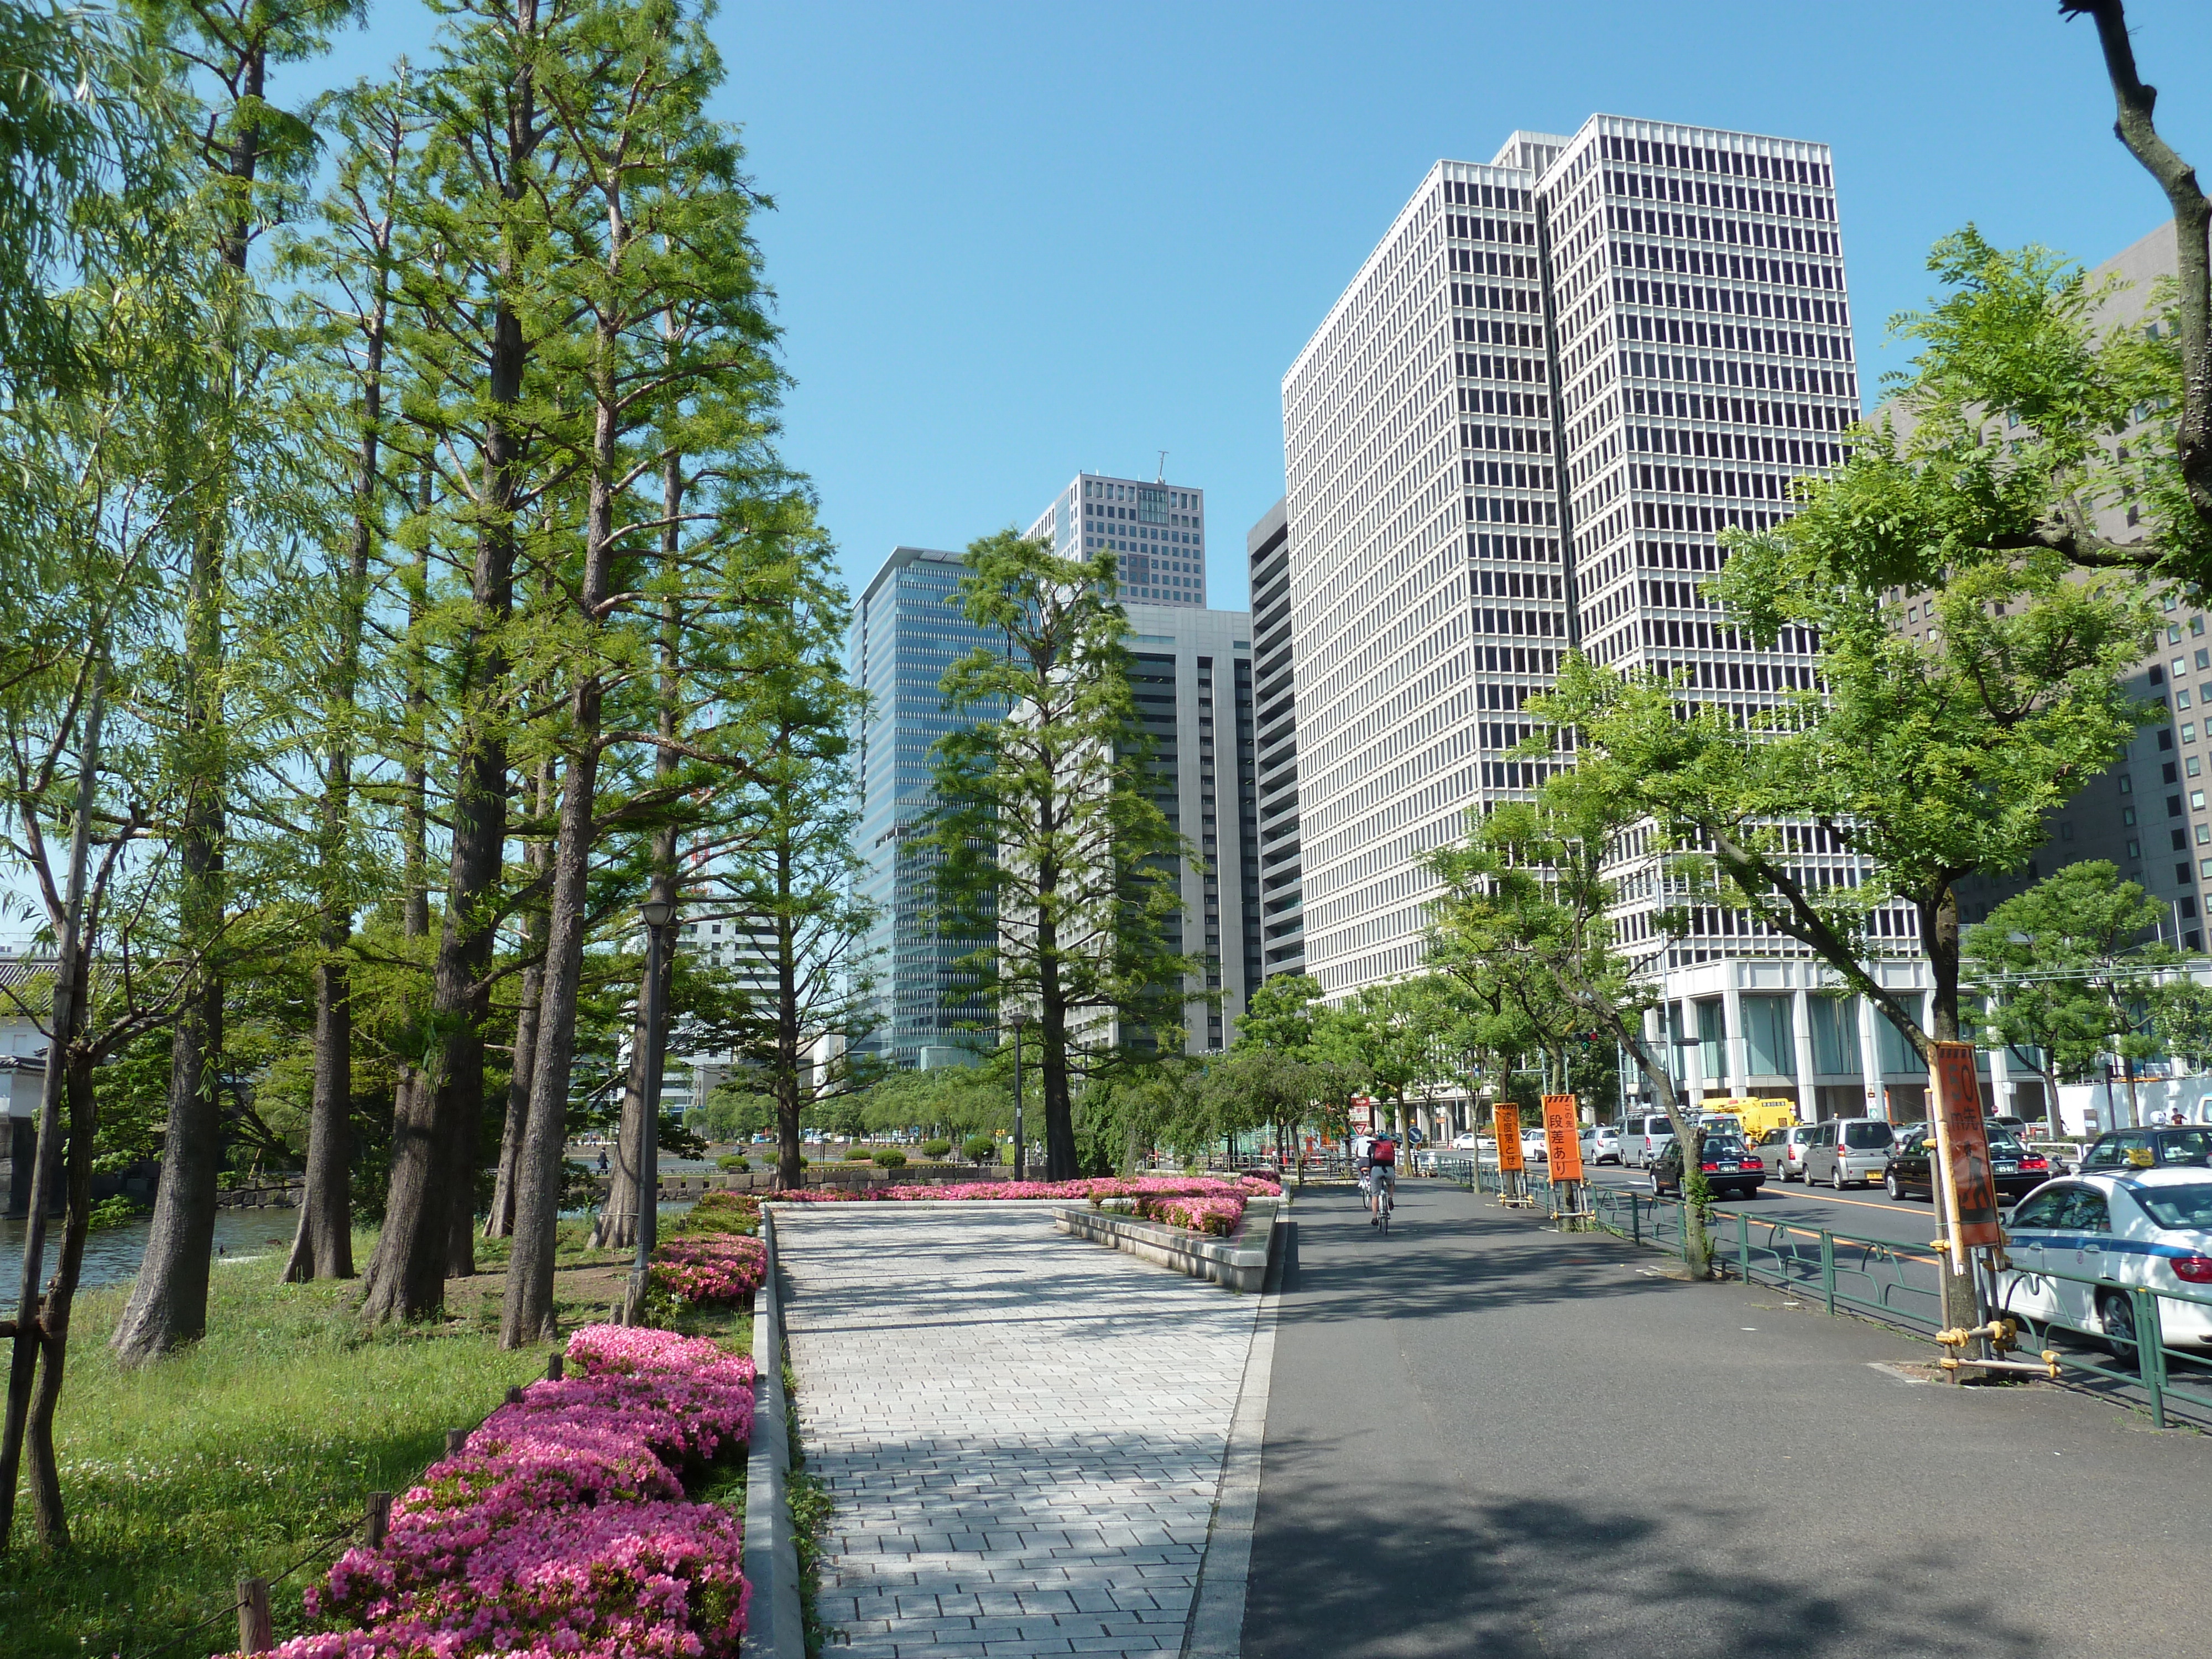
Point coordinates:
[(935, 1148), (734, 1161), (887, 1159), (979, 1149)]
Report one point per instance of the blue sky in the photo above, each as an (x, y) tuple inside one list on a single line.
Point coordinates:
[(1012, 242)]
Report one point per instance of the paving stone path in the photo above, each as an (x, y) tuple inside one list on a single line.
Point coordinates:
[(1022, 1432)]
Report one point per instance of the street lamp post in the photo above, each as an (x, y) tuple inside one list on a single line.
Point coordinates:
[(1021, 1156), (658, 915)]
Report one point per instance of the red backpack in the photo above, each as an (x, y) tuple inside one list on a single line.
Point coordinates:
[(1384, 1153)]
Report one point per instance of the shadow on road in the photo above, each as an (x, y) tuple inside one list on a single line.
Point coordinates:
[(1378, 1573)]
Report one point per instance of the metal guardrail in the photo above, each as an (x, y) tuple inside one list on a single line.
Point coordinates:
[(1845, 1272)]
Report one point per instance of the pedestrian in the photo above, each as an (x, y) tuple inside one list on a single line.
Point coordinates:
[(603, 1160)]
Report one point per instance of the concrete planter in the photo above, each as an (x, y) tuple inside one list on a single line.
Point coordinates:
[(1238, 1262)]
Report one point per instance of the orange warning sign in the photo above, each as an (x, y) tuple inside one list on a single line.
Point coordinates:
[(1506, 1126), (1563, 1145)]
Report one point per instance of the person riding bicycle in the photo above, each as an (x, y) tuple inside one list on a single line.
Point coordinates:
[(1381, 1185)]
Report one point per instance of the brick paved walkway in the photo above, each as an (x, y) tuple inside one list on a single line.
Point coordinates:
[(1022, 1432)]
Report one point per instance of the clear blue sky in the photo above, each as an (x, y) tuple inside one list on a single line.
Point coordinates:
[(1015, 241)]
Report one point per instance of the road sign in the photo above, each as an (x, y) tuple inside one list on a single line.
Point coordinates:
[(1506, 1126), (1563, 1144), (1965, 1146), (1362, 1113)]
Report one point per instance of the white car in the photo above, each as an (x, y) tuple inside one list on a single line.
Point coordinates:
[(1600, 1145), (2149, 1228), (1533, 1147), (1466, 1143)]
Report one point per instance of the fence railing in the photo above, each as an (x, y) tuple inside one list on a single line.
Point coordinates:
[(1848, 1273)]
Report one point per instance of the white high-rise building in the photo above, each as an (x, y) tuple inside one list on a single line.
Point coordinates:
[(1156, 530), (1522, 427)]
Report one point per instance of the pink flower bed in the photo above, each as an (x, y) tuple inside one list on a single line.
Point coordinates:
[(560, 1527), (1219, 1216), (1095, 1190), (710, 1267)]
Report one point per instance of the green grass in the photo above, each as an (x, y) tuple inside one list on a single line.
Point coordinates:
[(236, 1457)]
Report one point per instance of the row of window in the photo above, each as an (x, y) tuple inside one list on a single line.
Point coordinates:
[(1693, 193), (1691, 158)]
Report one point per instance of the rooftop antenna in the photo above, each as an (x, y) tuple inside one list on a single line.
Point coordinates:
[(1162, 477)]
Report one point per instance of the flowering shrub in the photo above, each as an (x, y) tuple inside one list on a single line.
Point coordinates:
[(1095, 1190), (719, 1212), (1219, 1216), (560, 1527), (711, 1267)]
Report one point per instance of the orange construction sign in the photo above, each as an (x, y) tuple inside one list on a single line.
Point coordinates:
[(1563, 1144), (1505, 1121)]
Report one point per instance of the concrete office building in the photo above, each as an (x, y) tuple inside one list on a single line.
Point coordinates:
[(1524, 426), (1191, 670), (1282, 901), (907, 631), (1156, 530)]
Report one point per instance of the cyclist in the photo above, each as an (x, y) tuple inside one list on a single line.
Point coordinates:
[(1383, 1179)]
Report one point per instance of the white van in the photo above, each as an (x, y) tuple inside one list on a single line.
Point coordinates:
[(1642, 1136)]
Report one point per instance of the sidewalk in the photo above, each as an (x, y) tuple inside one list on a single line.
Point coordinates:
[(1022, 1432)]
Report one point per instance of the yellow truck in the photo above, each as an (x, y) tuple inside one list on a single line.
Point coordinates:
[(1755, 1117)]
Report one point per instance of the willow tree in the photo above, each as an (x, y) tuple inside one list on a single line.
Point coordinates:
[(1051, 842)]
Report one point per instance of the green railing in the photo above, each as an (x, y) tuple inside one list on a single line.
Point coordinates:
[(1845, 1272)]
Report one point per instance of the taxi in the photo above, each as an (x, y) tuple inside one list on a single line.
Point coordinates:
[(2148, 1228)]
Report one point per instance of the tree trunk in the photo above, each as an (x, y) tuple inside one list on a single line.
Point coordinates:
[(498, 1223), (46, 1509), (527, 1315), (323, 1247), (168, 1300)]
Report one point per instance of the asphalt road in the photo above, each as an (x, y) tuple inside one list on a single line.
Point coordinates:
[(1486, 1438)]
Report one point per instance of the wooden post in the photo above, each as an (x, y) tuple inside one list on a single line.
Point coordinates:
[(380, 1518), (514, 1395), (255, 1633), (456, 1441), (553, 1368)]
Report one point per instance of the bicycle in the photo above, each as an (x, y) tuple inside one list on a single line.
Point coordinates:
[(1381, 1200)]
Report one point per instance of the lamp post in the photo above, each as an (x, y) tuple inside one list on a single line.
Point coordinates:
[(1021, 1158), (658, 915)]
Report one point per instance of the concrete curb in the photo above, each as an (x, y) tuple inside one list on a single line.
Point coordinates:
[(1236, 1263), (774, 1628), (1216, 1627)]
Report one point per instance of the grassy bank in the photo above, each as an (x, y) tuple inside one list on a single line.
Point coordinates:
[(241, 1455)]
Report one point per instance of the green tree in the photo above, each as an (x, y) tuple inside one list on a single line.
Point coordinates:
[(1052, 845), (252, 154), (2062, 965)]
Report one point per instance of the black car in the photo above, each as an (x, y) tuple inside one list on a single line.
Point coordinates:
[(2149, 1149), (2014, 1171), (1732, 1169)]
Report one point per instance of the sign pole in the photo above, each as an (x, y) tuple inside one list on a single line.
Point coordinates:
[(1563, 1153), (1972, 1228)]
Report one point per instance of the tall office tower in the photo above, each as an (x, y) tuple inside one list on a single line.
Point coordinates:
[(1157, 531), (1428, 592), (907, 630), (1191, 670), (1281, 919), (1522, 427)]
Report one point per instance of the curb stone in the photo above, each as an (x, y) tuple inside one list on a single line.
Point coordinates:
[(774, 1629)]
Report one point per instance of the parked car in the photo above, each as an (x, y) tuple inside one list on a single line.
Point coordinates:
[(1600, 1145), (1847, 1151), (1468, 1142), (2015, 1170), (1533, 1147), (2151, 1228), (2149, 1149), (1783, 1150), (1641, 1135), (1731, 1168)]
